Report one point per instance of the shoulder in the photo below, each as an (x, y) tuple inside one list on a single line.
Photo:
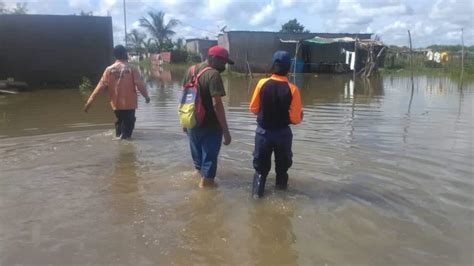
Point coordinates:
[(113, 67), (261, 82), (211, 74), (109, 68), (133, 67), (128, 66), (293, 87)]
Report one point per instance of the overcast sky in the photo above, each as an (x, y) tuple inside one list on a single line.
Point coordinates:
[(430, 21)]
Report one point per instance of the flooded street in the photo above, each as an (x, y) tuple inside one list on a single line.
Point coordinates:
[(382, 175)]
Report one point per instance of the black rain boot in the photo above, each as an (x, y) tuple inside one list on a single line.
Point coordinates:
[(258, 185), (281, 181)]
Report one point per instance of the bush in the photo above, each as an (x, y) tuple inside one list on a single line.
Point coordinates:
[(179, 56), (432, 64), (194, 58), (86, 86)]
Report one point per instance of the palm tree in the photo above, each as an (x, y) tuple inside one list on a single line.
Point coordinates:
[(150, 46), (180, 45), (136, 41), (155, 25), (20, 9), (3, 9)]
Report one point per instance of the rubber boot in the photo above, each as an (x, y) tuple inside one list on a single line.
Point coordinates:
[(258, 185), (281, 181)]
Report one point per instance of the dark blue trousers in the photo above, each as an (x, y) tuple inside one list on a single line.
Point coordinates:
[(125, 123), (269, 141)]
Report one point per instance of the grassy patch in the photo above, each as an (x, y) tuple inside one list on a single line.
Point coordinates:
[(144, 63)]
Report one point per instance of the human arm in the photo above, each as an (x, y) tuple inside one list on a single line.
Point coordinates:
[(217, 91), (138, 81), (296, 110), (102, 85), (221, 118)]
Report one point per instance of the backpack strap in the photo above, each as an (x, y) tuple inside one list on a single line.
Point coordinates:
[(191, 74), (195, 77), (202, 72)]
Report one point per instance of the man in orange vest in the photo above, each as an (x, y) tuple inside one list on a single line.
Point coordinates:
[(277, 104), (122, 81)]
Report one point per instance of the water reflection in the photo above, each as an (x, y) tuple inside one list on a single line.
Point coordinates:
[(272, 233), (382, 175), (126, 203), (126, 200), (205, 229)]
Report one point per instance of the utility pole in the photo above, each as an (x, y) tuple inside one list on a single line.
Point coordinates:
[(125, 21), (462, 55)]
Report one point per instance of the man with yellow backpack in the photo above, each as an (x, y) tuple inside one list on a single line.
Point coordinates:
[(202, 113)]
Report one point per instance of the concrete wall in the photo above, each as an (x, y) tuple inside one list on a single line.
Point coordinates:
[(54, 50), (256, 47), (199, 46)]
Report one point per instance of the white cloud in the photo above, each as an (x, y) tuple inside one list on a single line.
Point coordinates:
[(264, 17), (321, 6), (454, 35), (287, 3), (359, 16), (109, 6), (430, 21), (85, 4)]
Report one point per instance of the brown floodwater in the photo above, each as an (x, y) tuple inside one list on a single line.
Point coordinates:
[(382, 175)]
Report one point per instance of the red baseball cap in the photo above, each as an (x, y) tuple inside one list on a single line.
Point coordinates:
[(220, 51)]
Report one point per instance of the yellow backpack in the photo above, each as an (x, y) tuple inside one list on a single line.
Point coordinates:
[(190, 109)]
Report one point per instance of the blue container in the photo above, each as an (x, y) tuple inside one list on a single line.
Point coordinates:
[(299, 66)]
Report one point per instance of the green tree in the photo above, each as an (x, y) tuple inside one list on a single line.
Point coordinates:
[(293, 26), (20, 9), (156, 27), (3, 9), (136, 40), (180, 45), (151, 46), (167, 45), (84, 13)]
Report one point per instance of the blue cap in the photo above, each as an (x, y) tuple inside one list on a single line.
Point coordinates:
[(281, 63), (281, 57)]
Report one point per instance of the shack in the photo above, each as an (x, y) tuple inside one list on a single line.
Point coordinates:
[(199, 47), (312, 52), (54, 50)]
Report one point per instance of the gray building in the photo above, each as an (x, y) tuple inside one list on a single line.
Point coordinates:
[(54, 50), (254, 49), (199, 46)]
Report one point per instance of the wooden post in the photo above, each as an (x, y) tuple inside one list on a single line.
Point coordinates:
[(355, 57), (411, 52), (125, 22), (411, 66), (462, 55), (248, 64), (294, 63)]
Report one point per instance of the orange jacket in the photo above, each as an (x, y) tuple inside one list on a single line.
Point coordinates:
[(276, 90), (122, 80)]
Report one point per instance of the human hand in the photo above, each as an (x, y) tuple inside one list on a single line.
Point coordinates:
[(227, 137), (87, 106), (185, 130)]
